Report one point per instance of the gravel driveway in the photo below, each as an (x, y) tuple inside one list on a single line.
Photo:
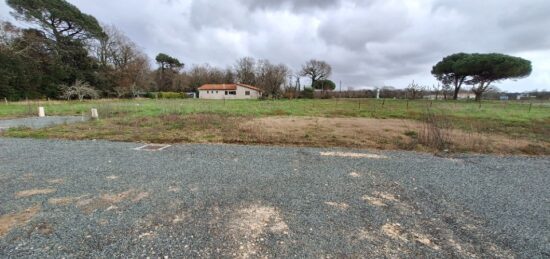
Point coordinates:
[(106, 199)]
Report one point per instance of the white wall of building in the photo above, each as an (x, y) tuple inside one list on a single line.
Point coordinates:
[(240, 93)]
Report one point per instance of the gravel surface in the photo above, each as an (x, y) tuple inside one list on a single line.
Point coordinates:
[(106, 199), (36, 122)]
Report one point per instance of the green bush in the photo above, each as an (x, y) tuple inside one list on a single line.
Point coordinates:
[(166, 95), (324, 85), (307, 93), (152, 95)]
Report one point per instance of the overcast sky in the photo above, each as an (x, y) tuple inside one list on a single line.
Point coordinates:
[(368, 43)]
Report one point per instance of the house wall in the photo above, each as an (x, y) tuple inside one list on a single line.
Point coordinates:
[(220, 94)]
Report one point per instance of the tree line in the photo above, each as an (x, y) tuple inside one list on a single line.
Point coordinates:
[(68, 54)]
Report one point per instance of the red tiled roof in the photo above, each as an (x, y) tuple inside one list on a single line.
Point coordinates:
[(251, 87), (227, 87), (218, 87)]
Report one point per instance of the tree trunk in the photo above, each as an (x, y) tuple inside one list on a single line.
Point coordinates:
[(455, 95), (478, 96), (483, 86), (458, 83)]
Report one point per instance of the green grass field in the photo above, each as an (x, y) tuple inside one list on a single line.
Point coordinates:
[(513, 119), (506, 112)]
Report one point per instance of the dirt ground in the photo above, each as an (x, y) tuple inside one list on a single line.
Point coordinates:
[(378, 133)]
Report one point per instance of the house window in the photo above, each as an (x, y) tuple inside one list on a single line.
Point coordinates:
[(225, 92), (232, 92), (216, 91), (247, 93)]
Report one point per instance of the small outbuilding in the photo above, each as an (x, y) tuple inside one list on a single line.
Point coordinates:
[(229, 91)]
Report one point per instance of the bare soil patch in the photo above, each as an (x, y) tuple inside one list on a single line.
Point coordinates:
[(62, 201), (250, 223), (13, 220), (56, 181), (338, 205), (32, 192), (108, 201)]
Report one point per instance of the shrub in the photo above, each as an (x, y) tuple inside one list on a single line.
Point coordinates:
[(171, 95), (436, 132), (166, 95), (324, 85), (307, 93)]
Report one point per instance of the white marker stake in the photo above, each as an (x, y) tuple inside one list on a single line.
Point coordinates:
[(95, 116), (41, 112)]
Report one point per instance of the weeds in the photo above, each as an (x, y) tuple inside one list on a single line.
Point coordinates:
[(436, 131)]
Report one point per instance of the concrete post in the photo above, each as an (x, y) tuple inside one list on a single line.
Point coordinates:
[(377, 93), (95, 116), (41, 112)]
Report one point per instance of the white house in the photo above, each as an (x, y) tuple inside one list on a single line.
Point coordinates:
[(229, 91)]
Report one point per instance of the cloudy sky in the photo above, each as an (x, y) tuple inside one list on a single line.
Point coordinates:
[(368, 42)]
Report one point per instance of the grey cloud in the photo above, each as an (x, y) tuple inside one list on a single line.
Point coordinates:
[(368, 43), (218, 14), (355, 28), (295, 5)]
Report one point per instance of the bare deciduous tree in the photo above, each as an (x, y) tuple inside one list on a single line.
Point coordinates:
[(245, 71), (446, 90), (271, 77), (436, 89), (316, 70), (79, 89), (414, 90), (206, 74), (125, 64)]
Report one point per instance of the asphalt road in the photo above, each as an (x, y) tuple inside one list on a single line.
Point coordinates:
[(106, 199)]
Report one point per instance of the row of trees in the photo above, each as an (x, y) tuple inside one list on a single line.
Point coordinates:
[(68, 54), (479, 71), (62, 47), (274, 79)]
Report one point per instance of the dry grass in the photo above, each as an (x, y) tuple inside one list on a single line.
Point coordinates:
[(396, 134)]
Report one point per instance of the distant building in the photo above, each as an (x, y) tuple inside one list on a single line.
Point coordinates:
[(229, 91), (466, 95), (525, 97), (504, 98)]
